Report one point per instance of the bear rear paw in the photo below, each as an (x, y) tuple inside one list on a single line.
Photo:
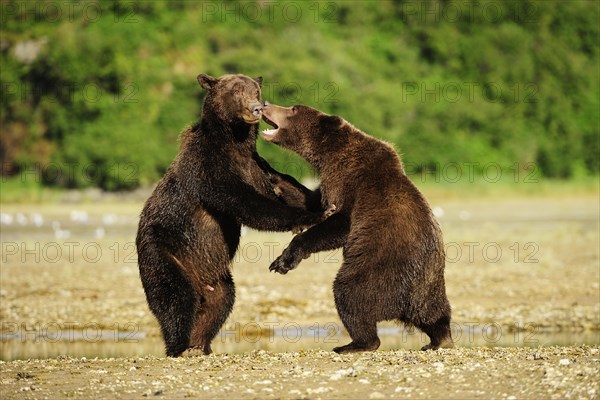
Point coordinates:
[(445, 344), (354, 347)]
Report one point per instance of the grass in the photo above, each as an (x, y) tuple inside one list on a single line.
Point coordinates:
[(17, 191)]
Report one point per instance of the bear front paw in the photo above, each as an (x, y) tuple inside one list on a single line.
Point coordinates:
[(283, 264), (329, 212), (299, 229), (319, 218)]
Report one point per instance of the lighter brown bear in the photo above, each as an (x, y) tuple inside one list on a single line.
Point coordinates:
[(393, 250)]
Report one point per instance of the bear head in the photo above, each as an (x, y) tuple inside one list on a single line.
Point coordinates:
[(304, 130), (233, 97)]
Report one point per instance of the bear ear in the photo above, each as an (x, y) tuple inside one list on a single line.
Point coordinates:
[(207, 81), (259, 80), (331, 123)]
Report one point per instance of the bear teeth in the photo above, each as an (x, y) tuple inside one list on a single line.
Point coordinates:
[(269, 132)]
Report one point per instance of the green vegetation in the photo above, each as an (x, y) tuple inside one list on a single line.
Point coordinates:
[(95, 94)]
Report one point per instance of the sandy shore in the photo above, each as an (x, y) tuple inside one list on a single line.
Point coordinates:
[(516, 271), (499, 373)]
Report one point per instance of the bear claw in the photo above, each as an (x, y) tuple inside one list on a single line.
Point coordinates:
[(330, 211), (281, 266)]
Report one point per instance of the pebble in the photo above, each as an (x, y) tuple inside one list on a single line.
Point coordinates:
[(340, 373), (319, 390)]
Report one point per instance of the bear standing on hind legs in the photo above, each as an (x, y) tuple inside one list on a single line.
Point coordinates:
[(394, 258), (189, 229)]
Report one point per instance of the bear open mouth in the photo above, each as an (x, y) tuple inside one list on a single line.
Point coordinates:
[(269, 133)]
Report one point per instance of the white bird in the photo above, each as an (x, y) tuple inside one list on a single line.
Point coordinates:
[(21, 219), (99, 233), (60, 233), (36, 219), (6, 219), (79, 216), (109, 219)]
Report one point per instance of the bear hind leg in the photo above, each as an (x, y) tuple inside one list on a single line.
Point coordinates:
[(176, 332), (212, 312), (363, 334), (174, 311), (360, 324), (439, 333)]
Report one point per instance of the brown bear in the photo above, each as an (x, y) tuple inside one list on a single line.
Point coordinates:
[(189, 229), (393, 251)]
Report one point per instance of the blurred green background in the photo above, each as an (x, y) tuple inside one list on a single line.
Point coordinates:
[(96, 94)]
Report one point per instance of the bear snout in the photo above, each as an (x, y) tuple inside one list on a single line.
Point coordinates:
[(256, 109)]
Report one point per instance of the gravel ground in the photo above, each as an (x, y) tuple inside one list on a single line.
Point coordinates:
[(545, 278), (499, 373)]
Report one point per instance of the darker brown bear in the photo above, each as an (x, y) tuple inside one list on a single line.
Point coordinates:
[(189, 228), (393, 265)]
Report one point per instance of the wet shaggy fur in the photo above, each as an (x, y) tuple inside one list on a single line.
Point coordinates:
[(393, 251), (189, 229)]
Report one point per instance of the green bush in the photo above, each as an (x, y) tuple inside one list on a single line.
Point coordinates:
[(105, 95)]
